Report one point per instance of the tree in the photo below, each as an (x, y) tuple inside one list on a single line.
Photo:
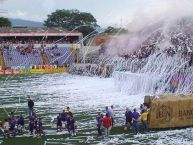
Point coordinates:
[(4, 22), (113, 30), (71, 19)]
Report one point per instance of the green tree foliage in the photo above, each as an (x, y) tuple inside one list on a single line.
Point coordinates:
[(4, 22), (71, 19), (113, 30)]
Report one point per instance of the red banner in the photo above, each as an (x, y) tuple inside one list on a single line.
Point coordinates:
[(2, 72), (9, 72)]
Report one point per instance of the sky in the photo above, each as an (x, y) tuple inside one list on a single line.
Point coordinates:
[(107, 12)]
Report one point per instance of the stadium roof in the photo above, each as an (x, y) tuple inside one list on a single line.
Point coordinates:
[(26, 31)]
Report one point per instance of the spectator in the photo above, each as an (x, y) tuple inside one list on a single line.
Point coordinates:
[(107, 110), (31, 126), (135, 117), (143, 119), (2, 129), (59, 122), (112, 114), (68, 111), (12, 129), (40, 131), (6, 128), (107, 122), (99, 119), (64, 118), (30, 106), (11, 115), (71, 125), (128, 118), (20, 123)]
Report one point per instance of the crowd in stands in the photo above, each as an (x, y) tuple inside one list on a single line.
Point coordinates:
[(25, 40), (89, 69), (166, 55), (29, 51), (175, 42), (60, 56), (29, 44)]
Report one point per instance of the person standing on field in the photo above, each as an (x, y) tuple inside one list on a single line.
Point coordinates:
[(30, 106), (107, 122)]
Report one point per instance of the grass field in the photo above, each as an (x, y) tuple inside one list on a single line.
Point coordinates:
[(85, 134), (82, 138), (86, 96), (13, 98)]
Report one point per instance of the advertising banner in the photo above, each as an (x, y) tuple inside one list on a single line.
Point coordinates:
[(171, 111)]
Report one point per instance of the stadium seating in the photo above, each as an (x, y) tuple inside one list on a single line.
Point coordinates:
[(14, 58), (61, 55)]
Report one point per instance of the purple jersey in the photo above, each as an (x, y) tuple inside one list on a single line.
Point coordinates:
[(59, 121), (70, 123), (99, 120), (135, 116), (64, 116), (40, 123), (20, 121)]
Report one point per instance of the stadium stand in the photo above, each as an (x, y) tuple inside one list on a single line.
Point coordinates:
[(37, 46), (15, 58), (60, 56)]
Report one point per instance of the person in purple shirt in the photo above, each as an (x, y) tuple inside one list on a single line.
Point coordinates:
[(71, 125), (33, 117), (135, 117), (36, 125), (59, 122), (12, 123), (20, 123), (128, 118), (99, 119), (31, 126), (40, 127), (64, 115), (11, 115), (64, 118)]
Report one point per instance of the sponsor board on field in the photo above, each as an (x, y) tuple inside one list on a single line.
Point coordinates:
[(170, 111), (9, 72), (42, 70)]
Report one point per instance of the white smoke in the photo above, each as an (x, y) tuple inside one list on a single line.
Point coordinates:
[(153, 11), (148, 17)]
